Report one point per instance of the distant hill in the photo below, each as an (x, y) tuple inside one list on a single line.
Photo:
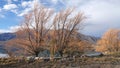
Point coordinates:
[(81, 37), (87, 38), (4, 37), (7, 36)]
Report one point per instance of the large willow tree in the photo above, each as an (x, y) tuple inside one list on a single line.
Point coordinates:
[(35, 32)]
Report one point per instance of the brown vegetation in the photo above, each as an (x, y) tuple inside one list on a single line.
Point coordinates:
[(110, 42), (31, 35), (35, 35), (65, 28)]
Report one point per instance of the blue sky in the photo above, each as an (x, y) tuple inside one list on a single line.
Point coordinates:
[(101, 14)]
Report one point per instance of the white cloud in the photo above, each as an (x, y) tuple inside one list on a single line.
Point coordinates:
[(25, 11), (26, 3), (21, 9), (14, 28), (15, 11), (4, 31), (102, 14), (101, 10), (10, 6), (11, 29), (28, 6)]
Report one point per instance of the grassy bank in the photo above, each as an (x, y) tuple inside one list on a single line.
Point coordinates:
[(93, 62)]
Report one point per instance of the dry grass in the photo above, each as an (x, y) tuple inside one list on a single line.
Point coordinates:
[(93, 62)]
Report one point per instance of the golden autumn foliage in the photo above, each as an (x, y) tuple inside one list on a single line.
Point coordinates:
[(78, 47), (110, 42), (86, 46), (65, 27), (35, 35)]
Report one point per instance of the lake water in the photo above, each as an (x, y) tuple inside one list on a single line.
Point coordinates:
[(4, 55)]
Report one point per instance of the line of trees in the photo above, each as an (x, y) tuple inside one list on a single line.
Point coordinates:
[(42, 28)]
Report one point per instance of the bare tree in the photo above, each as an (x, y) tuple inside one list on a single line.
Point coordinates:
[(110, 42), (65, 26), (32, 34)]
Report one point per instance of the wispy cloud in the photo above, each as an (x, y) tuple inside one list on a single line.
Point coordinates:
[(27, 6), (4, 30), (1, 15), (14, 28), (101, 14), (10, 29), (22, 13), (10, 6)]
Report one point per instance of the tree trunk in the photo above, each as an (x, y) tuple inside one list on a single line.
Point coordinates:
[(36, 54), (61, 53)]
